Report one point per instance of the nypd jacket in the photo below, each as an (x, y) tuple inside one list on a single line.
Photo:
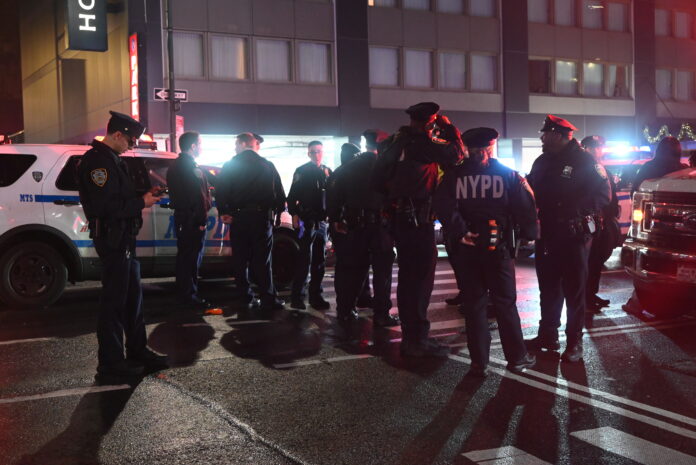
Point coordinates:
[(307, 196), (471, 194), (189, 193)]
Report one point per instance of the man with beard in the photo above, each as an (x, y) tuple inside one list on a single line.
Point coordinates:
[(571, 188), (482, 203)]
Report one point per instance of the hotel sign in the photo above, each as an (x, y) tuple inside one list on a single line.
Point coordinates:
[(134, 79), (87, 25)]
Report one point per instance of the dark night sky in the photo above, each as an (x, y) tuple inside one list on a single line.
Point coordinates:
[(10, 72)]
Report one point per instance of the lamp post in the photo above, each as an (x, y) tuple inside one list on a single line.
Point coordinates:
[(173, 103)]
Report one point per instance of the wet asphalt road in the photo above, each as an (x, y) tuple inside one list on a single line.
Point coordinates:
[(245, 389)]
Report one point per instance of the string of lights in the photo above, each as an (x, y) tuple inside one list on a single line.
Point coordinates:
[(686, 132)]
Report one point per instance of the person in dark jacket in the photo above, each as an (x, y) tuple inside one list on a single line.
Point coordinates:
[(307, 205), (407, 172), (189, 196), (571, 188), (356, 213), (608, 233), (114, 211), (249, 195), (487, 208)]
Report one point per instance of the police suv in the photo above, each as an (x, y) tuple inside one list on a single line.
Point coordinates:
[(660, 251), (44, 238)]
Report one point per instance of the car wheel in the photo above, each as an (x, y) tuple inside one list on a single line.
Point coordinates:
[(285, 251), (32, 274), (662, 304)]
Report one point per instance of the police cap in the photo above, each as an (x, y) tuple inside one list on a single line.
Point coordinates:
[(593, 142), (125, 124), (555, 124), (373, 137), (479, 137), (257, 137), (423, 111)]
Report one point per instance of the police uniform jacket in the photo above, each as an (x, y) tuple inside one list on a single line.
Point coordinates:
[(249, 182), (655, 168), (108, 194), (409, 163), (189, 193), (568, 186), (307, 197), (347, 189), (472, 194)]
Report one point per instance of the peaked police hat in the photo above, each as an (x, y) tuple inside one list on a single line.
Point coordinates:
[(479, 137), (423, 111), (556, 124), (125, 124)]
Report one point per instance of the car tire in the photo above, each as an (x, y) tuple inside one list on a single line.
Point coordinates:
[(32, 274), (284, 256), (663, 304)]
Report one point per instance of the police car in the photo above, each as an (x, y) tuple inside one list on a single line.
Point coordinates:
[(44, 236)]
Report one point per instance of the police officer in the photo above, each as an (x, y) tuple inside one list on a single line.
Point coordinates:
[(189, 195), (114, 211), (407, 173), (608, 233), (307, 205), (486, 208), (356, 213), (570, 189), (249, 195)]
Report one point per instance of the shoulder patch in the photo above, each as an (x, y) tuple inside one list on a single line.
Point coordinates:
[(99, 176), (600, 170)]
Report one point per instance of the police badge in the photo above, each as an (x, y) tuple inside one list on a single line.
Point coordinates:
[(99, 176), (567, 171), (38, 175)]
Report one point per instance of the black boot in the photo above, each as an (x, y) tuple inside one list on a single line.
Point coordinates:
[(573, 352)]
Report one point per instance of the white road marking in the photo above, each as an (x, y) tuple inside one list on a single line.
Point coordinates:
[(20, 341), (447, 324), (319, 361), (503, 456), (632, 447), (65, 393)]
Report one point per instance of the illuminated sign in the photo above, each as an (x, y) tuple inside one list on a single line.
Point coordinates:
[(133, 61), (87, 25)]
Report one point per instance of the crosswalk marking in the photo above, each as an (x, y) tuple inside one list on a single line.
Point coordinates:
[(632, 447), (65, 393), (504, 456)]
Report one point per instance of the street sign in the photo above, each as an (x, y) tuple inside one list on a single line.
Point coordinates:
[(163, 94)]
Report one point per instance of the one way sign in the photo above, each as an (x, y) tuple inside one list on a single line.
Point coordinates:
[(163, 94)]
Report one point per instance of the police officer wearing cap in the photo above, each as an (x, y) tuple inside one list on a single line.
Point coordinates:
[(113, 209), (487, 208), (608, 233), (249, 195), (189, 196), (356, 214), (571, 188), (406, 172), (307, 205)]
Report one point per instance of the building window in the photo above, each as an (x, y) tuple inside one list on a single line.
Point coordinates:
[(566, 78), (416, 4), (540, 76), (616, 83), (682, 25), (273, 60), (418, 68), (188, 54), (389, 3), (564, 12), (538, 11), (592, 79), (662, 22), (684, 90), (592, 14), (617, 16), (482, 8), (384, 66), (663, 83), (314, 62), (484, 73), (228, 57), (452, 67), (450, 6)]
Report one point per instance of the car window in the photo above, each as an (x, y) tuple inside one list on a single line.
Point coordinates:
[(12, 166), (138, 172), (157, 170), (67, 178)]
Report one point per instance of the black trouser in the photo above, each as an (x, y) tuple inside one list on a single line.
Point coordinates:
[(311, 260), (189, 254), (599, 253), (360, 248), (251, 237), (490, 273), (417, 254), (121, 303), (561, 266)]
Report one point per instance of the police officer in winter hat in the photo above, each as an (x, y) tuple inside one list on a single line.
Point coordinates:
[(113, 209), (406, 172), (571, 188), (486, 208)]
